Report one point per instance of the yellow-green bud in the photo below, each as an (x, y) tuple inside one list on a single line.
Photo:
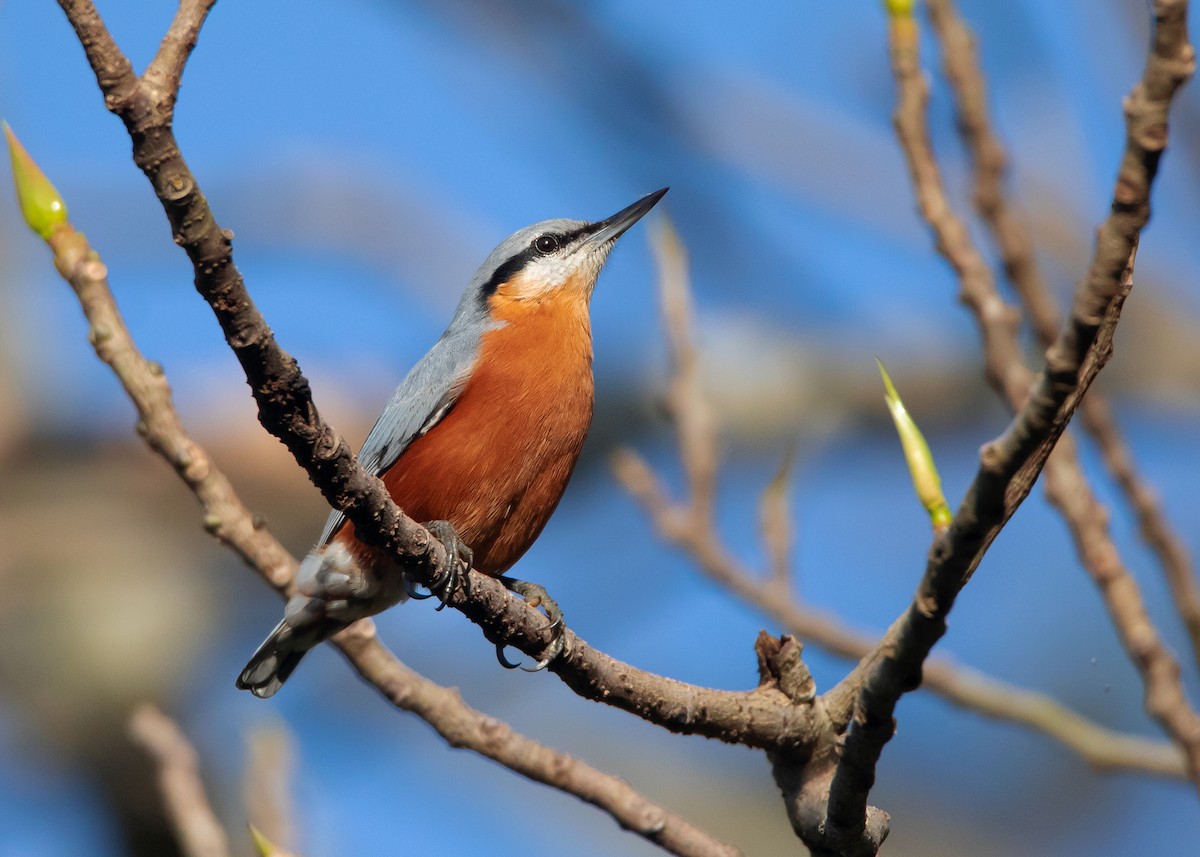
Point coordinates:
[(924, 473), (42, 207)]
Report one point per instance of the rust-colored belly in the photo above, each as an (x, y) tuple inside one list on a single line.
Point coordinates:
[(497, 464)]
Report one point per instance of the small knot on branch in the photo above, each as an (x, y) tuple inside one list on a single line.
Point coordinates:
[(176, 186), (991, 458), (651, 822), (780, 664)]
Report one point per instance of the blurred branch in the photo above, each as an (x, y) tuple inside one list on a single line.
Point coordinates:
[(266, 848), (963, 73), (775, 522), (1101, 748), (1010, 464), (691, 525), (267, 783), (695, 426), (196, 826), (1072, 361), (227, 518)]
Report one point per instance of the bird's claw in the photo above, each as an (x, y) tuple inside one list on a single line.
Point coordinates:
[(459, 559), (536, 596), (504, 662)]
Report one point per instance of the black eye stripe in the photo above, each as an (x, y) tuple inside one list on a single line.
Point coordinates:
[(513, 266), (567, 237), (507, 271)]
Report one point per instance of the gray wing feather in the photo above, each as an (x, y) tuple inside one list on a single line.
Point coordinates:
[(422, 400)]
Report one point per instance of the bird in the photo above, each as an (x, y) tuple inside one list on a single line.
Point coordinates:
[(479, 439)]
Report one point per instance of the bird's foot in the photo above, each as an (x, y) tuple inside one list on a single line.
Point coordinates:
[(535, 596), (459, 559)]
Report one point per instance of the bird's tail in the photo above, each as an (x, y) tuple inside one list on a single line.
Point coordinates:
[(333, 590), (274, 661)]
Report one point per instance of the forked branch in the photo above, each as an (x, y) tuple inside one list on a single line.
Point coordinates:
[(962, 71), (691, 525), (1066, 485), (1010, 464)]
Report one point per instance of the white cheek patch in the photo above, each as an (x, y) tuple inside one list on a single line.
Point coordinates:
[(579, 266)]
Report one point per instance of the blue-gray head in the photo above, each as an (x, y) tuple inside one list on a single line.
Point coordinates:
[(553, 255)]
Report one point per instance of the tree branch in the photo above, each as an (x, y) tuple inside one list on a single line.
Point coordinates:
[(794, 728), (165, 71), (691, 525), (227, 518), (197, 829), (267, 785), (962, 72), (1010, 464), (285, 405), (286, 409), (1101, 748)]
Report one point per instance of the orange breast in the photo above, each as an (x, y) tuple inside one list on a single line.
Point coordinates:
[(498, 463)]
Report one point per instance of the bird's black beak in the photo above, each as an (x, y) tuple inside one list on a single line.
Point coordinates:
[(610, 229)]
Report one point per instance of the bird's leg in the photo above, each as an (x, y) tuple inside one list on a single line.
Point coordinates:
[(535, 596), (459, 559)]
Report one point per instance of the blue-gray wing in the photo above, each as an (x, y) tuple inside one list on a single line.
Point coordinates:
[(421, 401)]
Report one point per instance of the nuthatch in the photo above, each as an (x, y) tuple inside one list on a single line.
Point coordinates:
[(479, 439)]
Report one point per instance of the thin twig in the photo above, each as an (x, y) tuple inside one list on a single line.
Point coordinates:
[(267, 783), (166, 69), (1077, 353), (1102, 748), (694, 422), (197, 829), (688, 525), (1010, 464), (227, 518), (1155, 527), (775, 521), (963, 73)]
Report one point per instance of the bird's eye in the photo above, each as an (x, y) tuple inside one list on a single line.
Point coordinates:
[(546, 244)]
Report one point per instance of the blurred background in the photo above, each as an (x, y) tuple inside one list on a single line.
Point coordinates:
[(368, 155)]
